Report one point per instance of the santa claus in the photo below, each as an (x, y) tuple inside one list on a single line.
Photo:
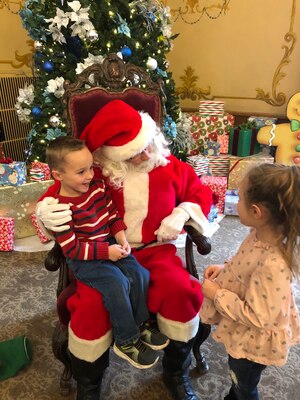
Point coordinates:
[(156, 194)]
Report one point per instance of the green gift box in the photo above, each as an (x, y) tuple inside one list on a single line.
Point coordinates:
[(243, 142)]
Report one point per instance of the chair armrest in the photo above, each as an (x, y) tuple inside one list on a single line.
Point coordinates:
[(202, 242), (203, 247), (54, 259)]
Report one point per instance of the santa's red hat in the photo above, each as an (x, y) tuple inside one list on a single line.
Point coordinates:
[(121, 131)]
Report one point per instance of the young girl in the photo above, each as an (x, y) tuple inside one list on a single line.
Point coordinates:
[(250, 297)]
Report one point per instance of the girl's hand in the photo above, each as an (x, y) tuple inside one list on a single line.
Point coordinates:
[(116, 252), (212, 271), (210, 288)]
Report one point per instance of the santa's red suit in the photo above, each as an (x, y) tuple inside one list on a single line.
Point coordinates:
[(144, 201)]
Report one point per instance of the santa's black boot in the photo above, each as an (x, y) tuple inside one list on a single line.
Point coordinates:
[(88, 390), (89, 376), (176, 363)]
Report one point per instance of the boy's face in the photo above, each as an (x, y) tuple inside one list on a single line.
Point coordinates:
[(76, 173)]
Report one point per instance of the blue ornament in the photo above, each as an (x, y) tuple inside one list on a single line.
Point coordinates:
[(36, 111), (48, 66), (151, 16), (126, 51)]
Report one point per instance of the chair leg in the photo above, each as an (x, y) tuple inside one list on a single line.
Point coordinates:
[(60, 350), (202, 335)]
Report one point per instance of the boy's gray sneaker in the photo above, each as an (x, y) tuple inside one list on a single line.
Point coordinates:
[(139, 355), (150, 336)]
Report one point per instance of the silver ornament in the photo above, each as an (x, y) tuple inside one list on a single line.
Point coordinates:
[(151, 63), (54, 121), (92, 35)]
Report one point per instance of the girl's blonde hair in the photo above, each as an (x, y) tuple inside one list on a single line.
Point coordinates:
[(277, 187)]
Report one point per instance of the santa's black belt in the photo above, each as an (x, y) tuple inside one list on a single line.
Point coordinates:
[(142, 247)]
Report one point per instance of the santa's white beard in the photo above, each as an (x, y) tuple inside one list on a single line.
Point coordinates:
[(116, 171)]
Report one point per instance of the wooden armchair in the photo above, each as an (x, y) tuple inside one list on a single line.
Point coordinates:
[(94, 87)]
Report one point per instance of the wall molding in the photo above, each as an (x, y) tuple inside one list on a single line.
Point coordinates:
[(21, 60), (191, 12), (273, 97), (13, 6)]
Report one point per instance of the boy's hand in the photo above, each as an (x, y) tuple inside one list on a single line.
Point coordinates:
[(210, 288), (116, 252), (126, 246)]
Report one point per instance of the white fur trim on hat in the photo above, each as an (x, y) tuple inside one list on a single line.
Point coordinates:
[(135, 146)]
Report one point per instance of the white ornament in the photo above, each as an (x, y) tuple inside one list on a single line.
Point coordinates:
[(151, 63), (92, 35), (54, 121), (38, 45)]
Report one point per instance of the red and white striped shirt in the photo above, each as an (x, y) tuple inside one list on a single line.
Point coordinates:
[(94, 219)]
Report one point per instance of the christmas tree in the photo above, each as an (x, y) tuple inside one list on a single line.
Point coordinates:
[(70, 36)]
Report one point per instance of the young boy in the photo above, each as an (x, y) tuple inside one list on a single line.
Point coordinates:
[(98, 253)]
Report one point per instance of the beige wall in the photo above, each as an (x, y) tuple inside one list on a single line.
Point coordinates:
[(15, 46), (249, 56)]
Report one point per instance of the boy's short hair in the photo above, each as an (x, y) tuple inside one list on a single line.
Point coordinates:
[(59, 147)]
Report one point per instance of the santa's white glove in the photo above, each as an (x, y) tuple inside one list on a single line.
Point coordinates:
[(172, 225), (53, 215)]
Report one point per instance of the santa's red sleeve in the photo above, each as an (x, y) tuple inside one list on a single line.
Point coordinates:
[(192, 196)]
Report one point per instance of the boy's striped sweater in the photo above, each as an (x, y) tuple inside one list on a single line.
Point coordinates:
[(94, 219)]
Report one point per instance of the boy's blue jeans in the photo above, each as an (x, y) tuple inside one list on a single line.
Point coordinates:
[(245, 376), (123, 285)]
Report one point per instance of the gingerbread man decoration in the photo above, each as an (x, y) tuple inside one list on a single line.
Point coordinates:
[(286, 136)]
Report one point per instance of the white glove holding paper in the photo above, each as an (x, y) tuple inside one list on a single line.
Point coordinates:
[(53, 215), (171, 226)]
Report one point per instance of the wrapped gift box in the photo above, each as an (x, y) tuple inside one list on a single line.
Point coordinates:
[(211, 107), (218, 185), (6, 234), (211, 148), (224, 143), (43, 238), (218, 165), (243, 142), (208, 128), (19, 203), (13, 174), (39, 171), (262, 121), (199, 164), (231, 201), (238, 166)]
